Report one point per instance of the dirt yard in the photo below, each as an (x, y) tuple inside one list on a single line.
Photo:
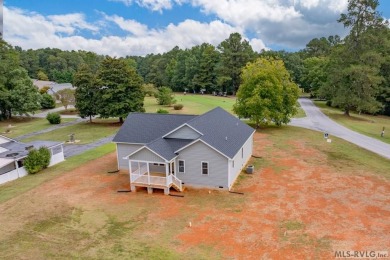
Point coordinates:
[(297, 204)]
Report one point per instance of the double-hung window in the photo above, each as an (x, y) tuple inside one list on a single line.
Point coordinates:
[(205, 168), (181, 166)]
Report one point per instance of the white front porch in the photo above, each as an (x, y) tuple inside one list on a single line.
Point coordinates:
[(153, 175)]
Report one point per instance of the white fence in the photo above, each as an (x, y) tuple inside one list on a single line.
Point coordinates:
[(13, 175)]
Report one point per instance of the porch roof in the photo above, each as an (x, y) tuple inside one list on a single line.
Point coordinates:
[(4, 162), (166, 147), (19, 149)]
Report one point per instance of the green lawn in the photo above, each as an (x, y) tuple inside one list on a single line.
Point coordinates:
[(25, 125), (20, 186), (86, 132), (340, 153), (301, 113), (364, 124), (193, 104)]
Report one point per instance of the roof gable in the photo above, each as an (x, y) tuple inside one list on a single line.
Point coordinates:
[(184, 131), (143, 128)]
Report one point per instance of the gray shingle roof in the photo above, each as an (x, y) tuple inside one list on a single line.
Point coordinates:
[(143, 128), (221, 130), (19, 149)]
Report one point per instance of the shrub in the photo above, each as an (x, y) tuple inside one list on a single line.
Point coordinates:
[(53, 118), (149, 90), (44, 90), (329, 103), (47, 101), (178, 106), (45, 156), (37, 160), (162, 111), (32, 163)]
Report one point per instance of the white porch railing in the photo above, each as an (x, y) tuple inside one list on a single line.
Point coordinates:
[(176, 181), (146, 179)]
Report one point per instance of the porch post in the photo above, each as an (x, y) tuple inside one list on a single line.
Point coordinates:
[(166, 189), (17, 168), (129, 168), (147, 167)]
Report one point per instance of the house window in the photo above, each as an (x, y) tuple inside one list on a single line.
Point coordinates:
[(181, 166), (205, 168)]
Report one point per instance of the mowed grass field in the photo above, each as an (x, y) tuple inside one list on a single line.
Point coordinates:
[(24, 125), (85, 132), (306, 199), (365, 124), (194, 104)]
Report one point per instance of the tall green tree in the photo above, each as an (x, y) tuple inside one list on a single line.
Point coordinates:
[(267, 93), (120, 89), (17, 92), (86, 94), (354, 76), (314, 74), (235, 53)]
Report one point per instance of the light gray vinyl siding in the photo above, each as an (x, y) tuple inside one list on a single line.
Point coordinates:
[(184, 132), (240, 161), (193, 156), (146, 155), (124, 150)]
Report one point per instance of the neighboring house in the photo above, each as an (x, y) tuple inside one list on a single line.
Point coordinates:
[(12, 154), (54, 87), (57, 87), (163, 150)]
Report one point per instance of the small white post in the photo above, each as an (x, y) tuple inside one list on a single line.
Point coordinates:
[(130, 170), (147, 167), (166, 174)]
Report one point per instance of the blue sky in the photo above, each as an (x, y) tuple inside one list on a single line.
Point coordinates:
[(139, 27)]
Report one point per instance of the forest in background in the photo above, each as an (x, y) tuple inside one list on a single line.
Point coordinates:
[(352, 73)]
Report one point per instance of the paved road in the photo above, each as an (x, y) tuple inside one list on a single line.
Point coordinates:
[(316, 120), (44, 114)]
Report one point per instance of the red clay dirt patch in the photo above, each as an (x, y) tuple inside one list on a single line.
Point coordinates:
[(290, 208), (303, 211)]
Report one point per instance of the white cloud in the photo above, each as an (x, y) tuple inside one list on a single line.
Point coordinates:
[(32, 30), (68, 23), (154, 5), (131, 26), (289, 23)]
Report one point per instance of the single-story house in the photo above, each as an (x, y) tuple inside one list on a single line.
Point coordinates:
[(12, 154), (54, 87), (166, 150)]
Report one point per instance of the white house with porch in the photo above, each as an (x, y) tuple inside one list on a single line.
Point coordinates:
[(12, 154), (163, 151)]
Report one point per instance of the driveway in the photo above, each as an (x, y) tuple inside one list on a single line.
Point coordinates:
[(58, 109), (316, 120)]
